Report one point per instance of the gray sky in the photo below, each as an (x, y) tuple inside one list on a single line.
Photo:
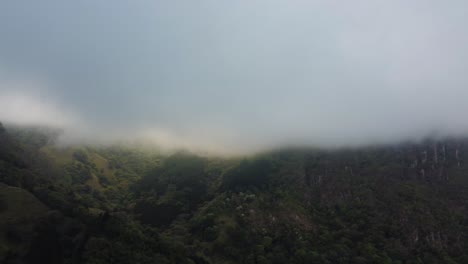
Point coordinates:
[(237, 75)]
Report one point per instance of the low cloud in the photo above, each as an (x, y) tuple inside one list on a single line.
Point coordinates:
[(228, 77), (21, 103)]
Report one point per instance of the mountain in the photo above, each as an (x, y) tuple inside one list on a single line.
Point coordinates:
[(401, 203)]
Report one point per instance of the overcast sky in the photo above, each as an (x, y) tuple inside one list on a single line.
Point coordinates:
[(237, 75)]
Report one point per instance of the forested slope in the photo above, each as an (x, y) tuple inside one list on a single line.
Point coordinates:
[(402, 203)]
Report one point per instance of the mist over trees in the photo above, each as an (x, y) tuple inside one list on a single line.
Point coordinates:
[(226, 132), (402, 203)]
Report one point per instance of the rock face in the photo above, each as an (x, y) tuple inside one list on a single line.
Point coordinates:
[(432, 161)]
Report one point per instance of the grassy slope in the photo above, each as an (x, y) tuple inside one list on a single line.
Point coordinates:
[(20, 211)]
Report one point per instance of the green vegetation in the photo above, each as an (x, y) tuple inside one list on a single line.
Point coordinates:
[(404, 203)]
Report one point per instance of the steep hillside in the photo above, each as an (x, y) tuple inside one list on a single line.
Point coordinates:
[(395, 204), (30, 230), (405, 203)]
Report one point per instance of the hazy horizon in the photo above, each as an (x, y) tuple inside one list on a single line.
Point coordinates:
[(228, 77)]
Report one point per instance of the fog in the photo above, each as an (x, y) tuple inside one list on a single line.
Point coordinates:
[(236, 76)]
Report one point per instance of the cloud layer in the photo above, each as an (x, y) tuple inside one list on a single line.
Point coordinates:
[(235, 76)]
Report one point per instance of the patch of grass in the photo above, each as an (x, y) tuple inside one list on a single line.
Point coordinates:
[(20, 211)]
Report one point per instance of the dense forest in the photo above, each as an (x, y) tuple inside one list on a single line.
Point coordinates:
[(401, 203)]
